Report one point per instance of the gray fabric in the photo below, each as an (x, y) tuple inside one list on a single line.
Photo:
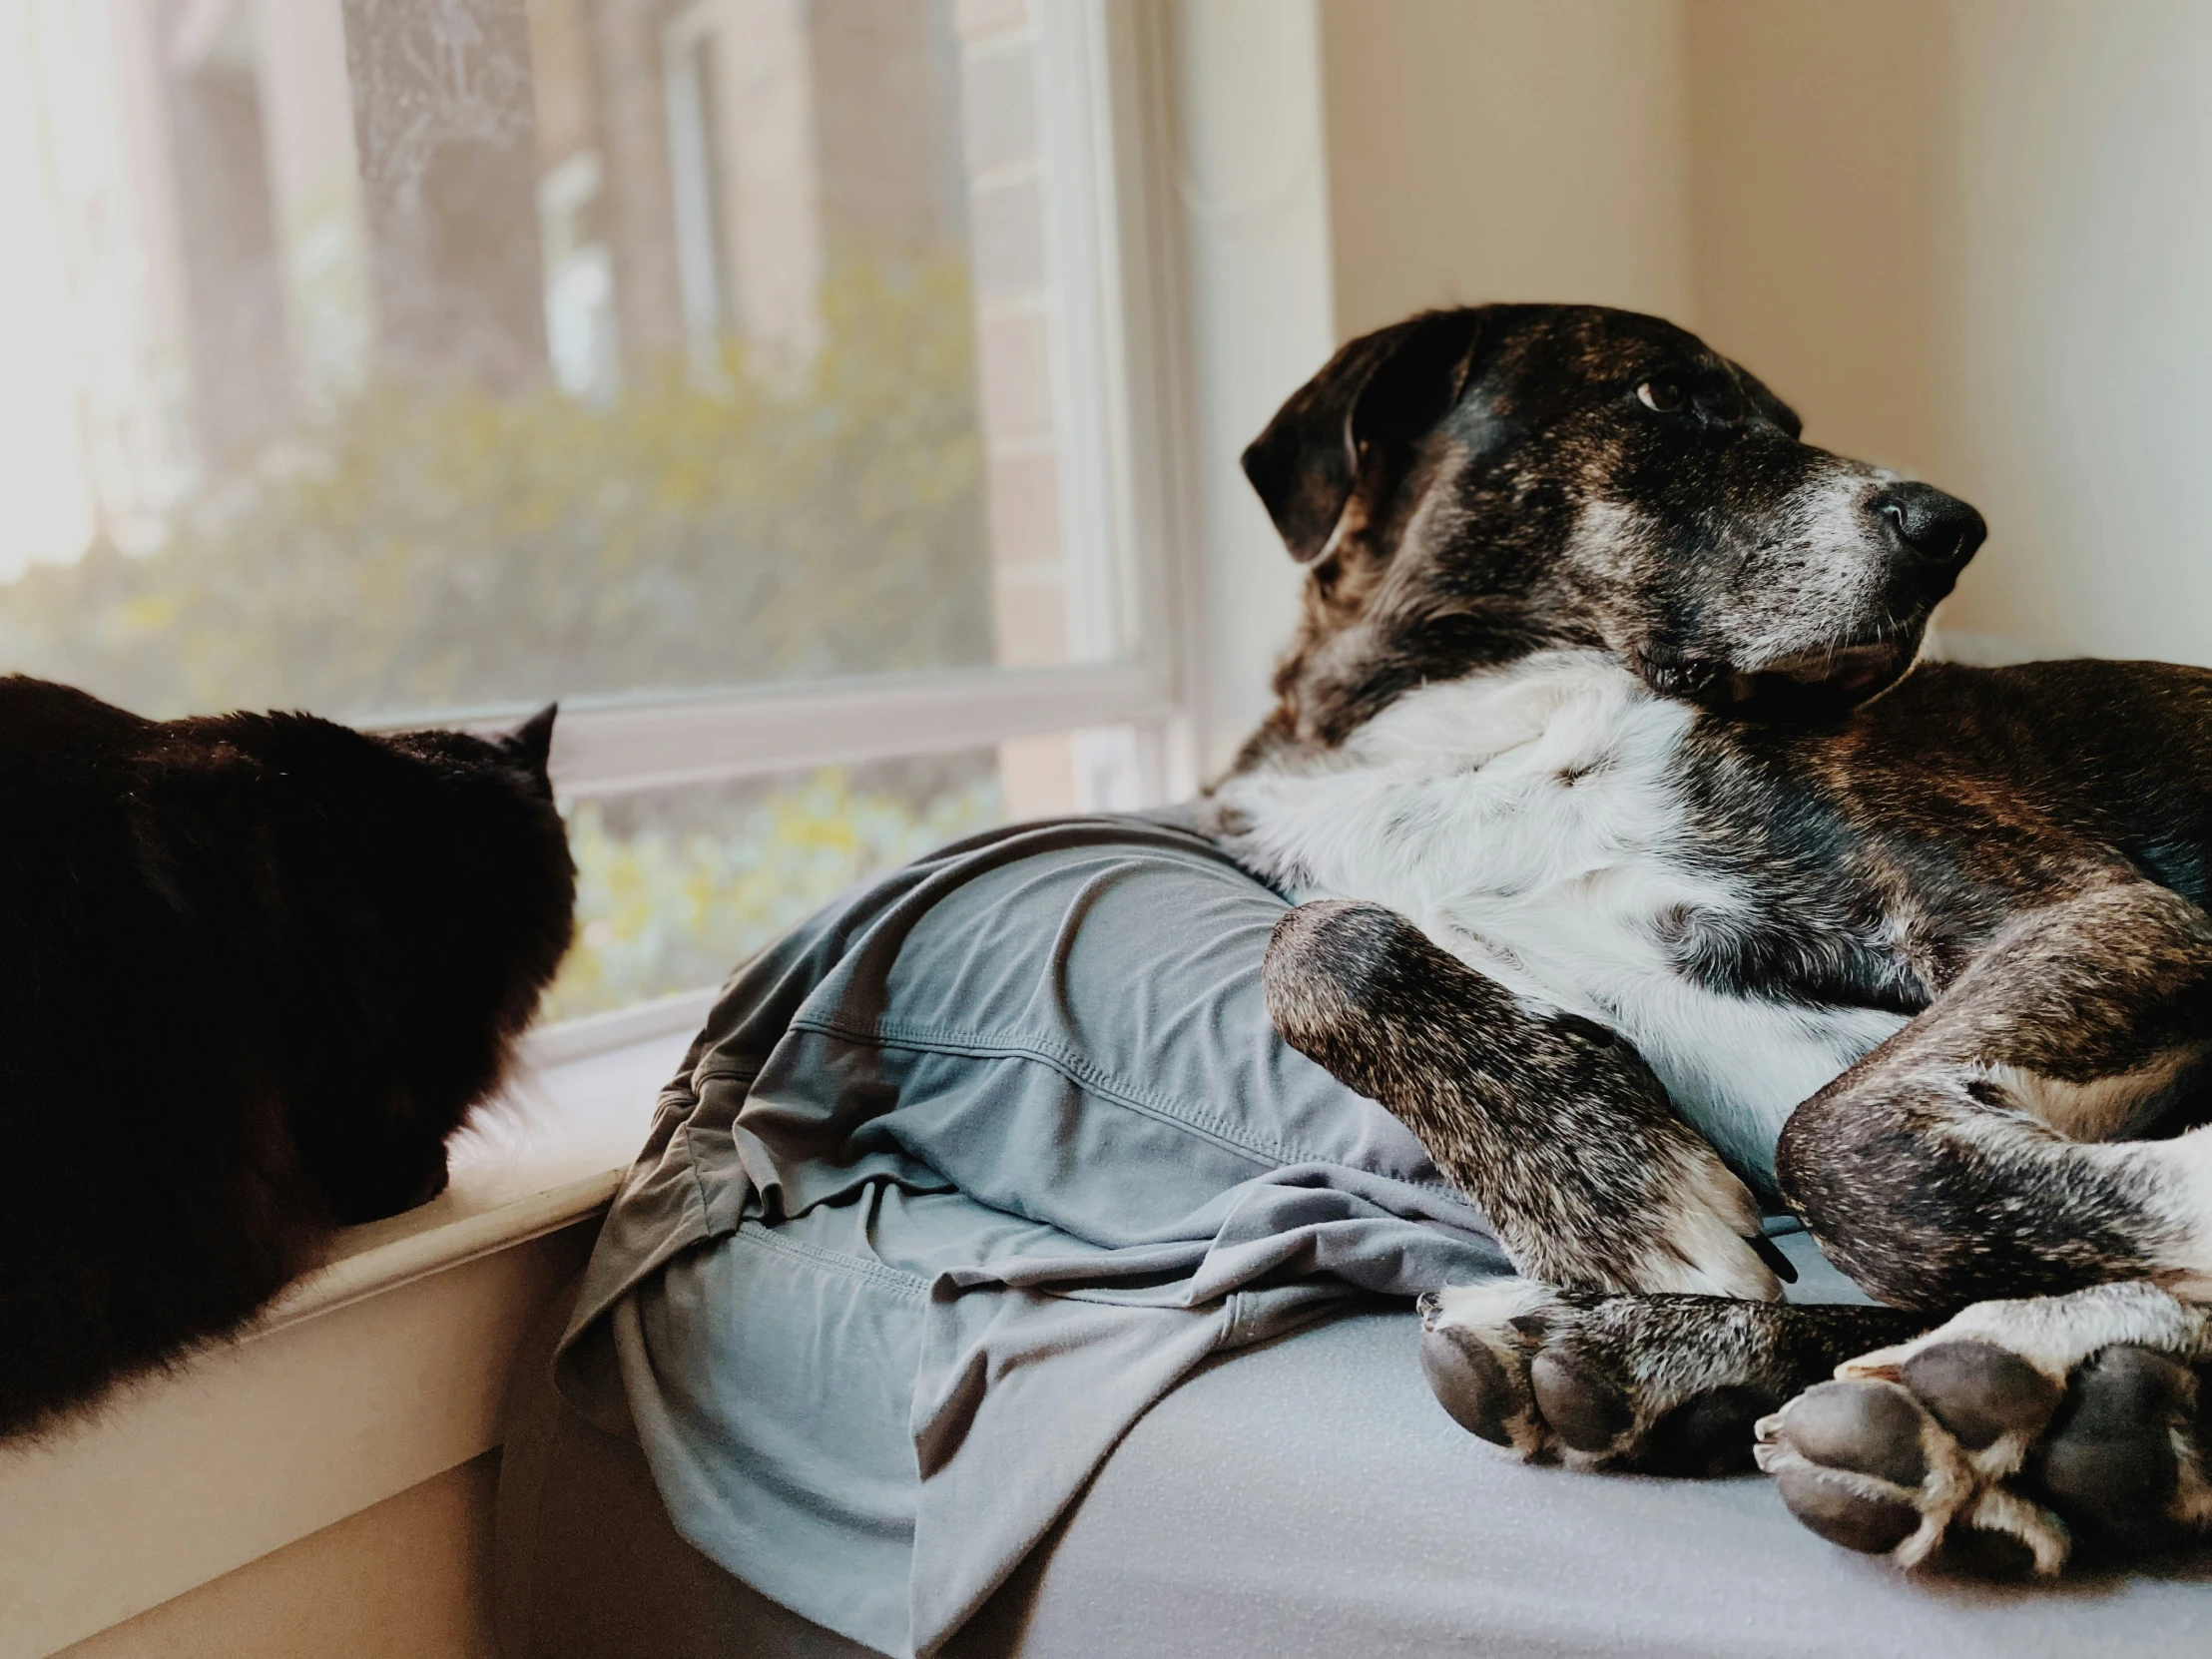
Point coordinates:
[(957, 1181), (965, 1177), (1304, 1498), (1307, 1499)]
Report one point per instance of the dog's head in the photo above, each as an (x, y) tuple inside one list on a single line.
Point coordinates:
[(1474, 485)]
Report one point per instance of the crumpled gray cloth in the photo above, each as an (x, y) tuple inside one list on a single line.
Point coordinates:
[(957, 1181)]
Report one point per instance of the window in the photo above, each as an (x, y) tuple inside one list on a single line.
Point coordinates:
[(735, 372)]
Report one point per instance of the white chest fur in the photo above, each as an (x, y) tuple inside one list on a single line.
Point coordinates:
[(1531, 823)]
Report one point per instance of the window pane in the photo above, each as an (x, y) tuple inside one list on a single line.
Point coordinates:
[(381, 357), (674, 887)]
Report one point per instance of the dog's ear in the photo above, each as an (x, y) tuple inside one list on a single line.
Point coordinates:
[(1332, 455)]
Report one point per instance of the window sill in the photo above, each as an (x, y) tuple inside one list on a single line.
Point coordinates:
[(385, 1368), (548, 1153)]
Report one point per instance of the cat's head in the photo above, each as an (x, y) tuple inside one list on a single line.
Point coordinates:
[(462, 905)]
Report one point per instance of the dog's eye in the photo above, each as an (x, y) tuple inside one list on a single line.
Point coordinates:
[(1664, 394)]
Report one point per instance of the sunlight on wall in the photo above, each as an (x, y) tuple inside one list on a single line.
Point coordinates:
[(1967, 237)]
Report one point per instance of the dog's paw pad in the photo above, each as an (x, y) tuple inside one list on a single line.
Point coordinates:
[(1979, 1392), (1475, 1347), (1863, 1465), (1844, 1510), (2112, 1465), (1470, 1383), (1583, 1406), (1871, 1429)]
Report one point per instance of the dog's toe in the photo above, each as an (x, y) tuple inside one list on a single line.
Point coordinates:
[(1475, 1347), (1979, 1392), (1844, 1511), (1585, 1408), (1863, 1465), (1871, 1429), (1472, 1384)]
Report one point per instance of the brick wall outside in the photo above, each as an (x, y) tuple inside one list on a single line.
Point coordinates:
[(1014, 318)]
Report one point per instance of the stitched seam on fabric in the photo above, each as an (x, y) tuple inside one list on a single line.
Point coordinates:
[(712, 1073), (692, 1161), (1232, 1326), (853, 1266), (926, 1039), (697, 1174)]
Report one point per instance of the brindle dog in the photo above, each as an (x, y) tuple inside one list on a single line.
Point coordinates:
[(1606, 689)]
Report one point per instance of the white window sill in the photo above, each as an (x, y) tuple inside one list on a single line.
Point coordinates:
[(547, 1153), (385, 1368)]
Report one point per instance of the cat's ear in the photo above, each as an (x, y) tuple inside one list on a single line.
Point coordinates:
[(530, 744)]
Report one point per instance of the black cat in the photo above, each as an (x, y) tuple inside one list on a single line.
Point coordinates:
[(254, 970)]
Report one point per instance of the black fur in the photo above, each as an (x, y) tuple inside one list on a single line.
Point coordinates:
[(255, 969)]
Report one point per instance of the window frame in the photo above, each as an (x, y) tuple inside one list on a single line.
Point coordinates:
[(1123, 544), (1100, 77), (617, 744), (622, 745), (1119, 398)]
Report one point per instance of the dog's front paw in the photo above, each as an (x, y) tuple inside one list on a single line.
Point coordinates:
[(1694, 1233), (1697, 1233), (2010, 1435), (1656, 1384)]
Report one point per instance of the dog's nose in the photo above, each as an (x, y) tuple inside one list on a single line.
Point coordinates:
[(1939, 528)]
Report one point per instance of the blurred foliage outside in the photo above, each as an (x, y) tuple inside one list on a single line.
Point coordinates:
[(661, 910), (440, 548)]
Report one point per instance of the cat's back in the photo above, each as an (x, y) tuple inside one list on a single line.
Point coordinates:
[(69, 766), (57, 741)]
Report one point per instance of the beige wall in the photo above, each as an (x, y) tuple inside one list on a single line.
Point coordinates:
[(1506, 149), (1975, 238), (1816, 224), (1969, 237)]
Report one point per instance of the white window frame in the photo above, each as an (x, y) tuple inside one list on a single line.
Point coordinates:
[(1123, 551), (1118, 299), (701, 254)]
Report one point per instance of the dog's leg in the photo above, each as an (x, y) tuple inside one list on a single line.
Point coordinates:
[(1552, 1124), (1966, 1158), (1969, 1157)]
